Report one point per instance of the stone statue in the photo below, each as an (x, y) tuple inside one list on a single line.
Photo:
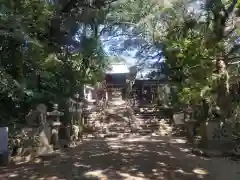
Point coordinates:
[(45, 129), (39, 129)]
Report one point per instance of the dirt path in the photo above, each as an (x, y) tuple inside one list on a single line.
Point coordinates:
[(145, 158), (126, 159)]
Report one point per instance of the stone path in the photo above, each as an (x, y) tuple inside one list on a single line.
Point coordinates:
[(139, 158)]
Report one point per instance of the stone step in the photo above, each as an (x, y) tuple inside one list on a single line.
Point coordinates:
[(149, 112), (144, 131), (117, 128), (111, 134), (149, 125), (119, 131), (158, 113), (152, 117)]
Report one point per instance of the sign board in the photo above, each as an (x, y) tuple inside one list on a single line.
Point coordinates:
[(3, 140)]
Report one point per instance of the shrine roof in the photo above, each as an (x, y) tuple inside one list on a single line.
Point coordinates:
[(118, 68), (145, 81)]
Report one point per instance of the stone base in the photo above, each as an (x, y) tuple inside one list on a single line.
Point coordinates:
[(216, 144), (207, 152), (215, 153), (215, 148)]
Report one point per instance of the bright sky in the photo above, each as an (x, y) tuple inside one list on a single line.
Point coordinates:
[(118, 68), (129, 55)]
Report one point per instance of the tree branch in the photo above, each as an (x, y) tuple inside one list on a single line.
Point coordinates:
[(231, 7)]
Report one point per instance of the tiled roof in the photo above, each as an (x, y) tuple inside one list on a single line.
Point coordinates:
[(118, 69)]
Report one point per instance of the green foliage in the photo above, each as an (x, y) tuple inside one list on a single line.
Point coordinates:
[(189, 39), (31, 71)]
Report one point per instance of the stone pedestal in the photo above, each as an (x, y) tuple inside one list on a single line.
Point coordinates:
[(217, 136), (178, 121)]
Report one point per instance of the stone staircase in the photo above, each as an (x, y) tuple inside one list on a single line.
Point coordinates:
[(122, 121), (118, 130), (153, 121)]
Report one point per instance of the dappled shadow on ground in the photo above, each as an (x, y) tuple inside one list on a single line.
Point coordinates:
[(113, 160), (130, 159)]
